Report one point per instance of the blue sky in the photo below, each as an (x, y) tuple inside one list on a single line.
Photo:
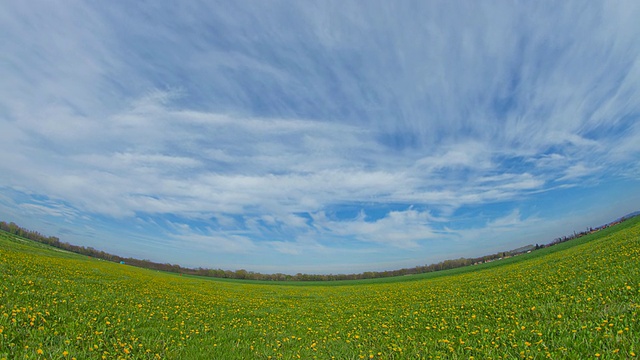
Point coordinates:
[(331, 137)]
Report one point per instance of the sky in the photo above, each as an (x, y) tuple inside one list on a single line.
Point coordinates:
[(317, 137)]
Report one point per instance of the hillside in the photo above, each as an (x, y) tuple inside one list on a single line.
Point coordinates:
[(578, 299)]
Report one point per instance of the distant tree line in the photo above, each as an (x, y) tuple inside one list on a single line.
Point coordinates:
[(12, 228)]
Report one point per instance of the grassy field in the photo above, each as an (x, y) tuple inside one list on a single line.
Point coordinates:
[(576, 300)]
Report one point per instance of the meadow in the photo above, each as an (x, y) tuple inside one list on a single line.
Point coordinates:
[(576, 300)]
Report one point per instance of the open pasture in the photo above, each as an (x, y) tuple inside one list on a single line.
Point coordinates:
[(580, 300)]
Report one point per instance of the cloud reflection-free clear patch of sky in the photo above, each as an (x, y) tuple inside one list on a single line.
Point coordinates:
[(334, 137)]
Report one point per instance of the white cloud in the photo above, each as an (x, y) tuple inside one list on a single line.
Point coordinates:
[(510, 220), (49, 208), (404, 229), (579, 170), (224, 244), (299, 248)]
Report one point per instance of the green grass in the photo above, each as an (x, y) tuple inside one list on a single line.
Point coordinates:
[(575, 300)]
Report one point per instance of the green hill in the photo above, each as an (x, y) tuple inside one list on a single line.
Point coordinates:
[(579, 299)]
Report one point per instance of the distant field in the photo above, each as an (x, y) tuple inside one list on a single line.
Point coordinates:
[(576, 300)]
